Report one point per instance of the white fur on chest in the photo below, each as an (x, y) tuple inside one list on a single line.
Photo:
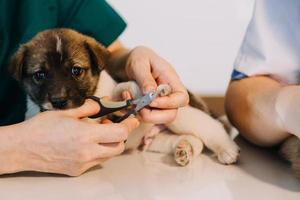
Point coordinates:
[(32, 108)]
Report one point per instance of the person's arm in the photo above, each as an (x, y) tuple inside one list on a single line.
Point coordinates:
[(149, 70), (117, 62), (59, 142), (250, 106)]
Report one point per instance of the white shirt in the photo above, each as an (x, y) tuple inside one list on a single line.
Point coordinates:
[(271, 45)]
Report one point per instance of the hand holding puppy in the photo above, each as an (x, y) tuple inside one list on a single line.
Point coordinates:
[(149, 70)]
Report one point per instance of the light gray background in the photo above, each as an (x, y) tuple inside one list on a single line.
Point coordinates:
[(199, 37)]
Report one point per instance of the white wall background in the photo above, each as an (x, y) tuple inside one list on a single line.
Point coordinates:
[(200, 38)]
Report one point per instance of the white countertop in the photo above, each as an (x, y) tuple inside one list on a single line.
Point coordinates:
[(260, 174)]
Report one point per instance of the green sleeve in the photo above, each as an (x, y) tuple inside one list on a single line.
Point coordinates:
[(95, 18)]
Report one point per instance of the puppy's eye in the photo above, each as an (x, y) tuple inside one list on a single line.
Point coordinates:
[(77, 71), (39, 76)]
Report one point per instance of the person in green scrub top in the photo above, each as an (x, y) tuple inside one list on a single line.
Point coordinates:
[(58, 141)]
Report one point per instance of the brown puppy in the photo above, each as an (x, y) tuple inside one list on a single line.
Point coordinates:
[(60, 68)]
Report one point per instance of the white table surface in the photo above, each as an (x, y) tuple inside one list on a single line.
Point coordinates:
[(260, 174)]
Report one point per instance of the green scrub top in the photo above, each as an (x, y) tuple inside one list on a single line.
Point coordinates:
[(21, 20)]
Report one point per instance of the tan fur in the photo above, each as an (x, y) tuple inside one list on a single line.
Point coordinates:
[(186, 135)]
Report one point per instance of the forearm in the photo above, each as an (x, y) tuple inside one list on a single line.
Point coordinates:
[(117, 61), (250, 106)]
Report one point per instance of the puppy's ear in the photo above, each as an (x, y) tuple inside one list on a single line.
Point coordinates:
[(16, 67), (98, 54)]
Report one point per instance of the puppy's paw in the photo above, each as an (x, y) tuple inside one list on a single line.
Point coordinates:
[(296, 166), (229, 155), (290, 150), (150, 136), (164, 90), (130, 86), (183, 154)]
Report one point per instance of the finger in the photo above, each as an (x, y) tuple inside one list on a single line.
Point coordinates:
[(173, 101), (157, 116), (102, 152), (179, 96), (89, 108), (107, 133), (113, 132), (109, 150), (92, 164), (144, 78), (131, 123)]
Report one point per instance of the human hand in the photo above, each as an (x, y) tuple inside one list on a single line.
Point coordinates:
[(149, 70), (59, 142)]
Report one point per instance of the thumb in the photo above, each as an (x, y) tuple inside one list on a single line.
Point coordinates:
[(89, 108), (144, 79)]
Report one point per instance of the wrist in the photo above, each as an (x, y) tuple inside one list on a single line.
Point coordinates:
[(117, 64), (11, 158)]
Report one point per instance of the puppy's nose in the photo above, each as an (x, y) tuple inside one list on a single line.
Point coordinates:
[(59, 102)]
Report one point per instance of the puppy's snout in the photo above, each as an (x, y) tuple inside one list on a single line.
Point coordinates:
[(59, 102)]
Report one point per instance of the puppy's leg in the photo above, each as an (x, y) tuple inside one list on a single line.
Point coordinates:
[(190, 120), (151, 134), (290, 150), (135, 138), (183, 147)]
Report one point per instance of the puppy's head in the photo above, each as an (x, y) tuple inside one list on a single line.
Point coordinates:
[(59, 68)]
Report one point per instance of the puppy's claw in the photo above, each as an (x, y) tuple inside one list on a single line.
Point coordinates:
[(164, 90)]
